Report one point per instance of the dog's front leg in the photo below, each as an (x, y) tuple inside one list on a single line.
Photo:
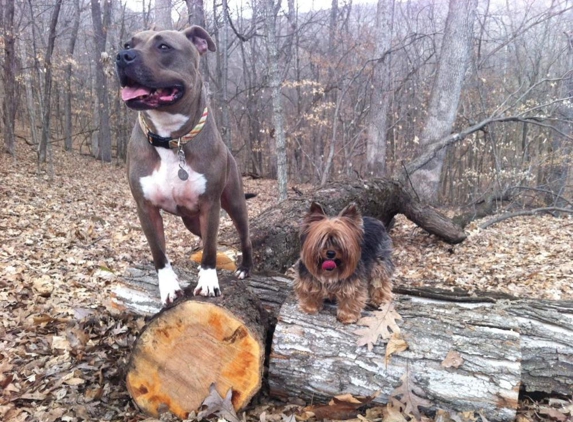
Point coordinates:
[(208, 284), (351, 300), (152, 224)]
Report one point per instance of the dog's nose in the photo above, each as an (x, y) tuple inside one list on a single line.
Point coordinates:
[(125, 57), (330, 254)]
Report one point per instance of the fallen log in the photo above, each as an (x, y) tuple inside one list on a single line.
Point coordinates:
[(274, 233), (316, 357), (197, 342), (137, 291), (503, 342)]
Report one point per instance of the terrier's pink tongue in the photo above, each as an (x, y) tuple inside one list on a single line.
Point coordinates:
[(328, 265), (129, 92)]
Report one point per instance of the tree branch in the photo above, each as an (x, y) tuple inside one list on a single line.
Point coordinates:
[(523, 212)]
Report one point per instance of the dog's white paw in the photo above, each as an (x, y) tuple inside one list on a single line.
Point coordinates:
[(208, 284), (241, 274), (169, 288)]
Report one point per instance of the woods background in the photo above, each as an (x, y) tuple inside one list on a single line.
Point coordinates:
[(311, 95)]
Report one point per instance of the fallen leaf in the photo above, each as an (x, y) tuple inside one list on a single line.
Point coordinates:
[(410, 396), (554, 414), (43, 286), (396, 344), (74, 381), (453, 360), (33, 396), (341, 407), (381, 324), (393, 411), (215, 405)]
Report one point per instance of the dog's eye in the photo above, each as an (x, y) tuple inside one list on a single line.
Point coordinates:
[(164, 47), (127, 46)]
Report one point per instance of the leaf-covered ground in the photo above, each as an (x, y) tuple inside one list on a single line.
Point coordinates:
[(64, 239)]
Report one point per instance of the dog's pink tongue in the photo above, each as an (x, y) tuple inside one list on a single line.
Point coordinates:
[(131, 92), (328, 265)]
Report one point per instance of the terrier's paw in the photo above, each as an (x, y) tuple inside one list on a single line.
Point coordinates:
[(347, 317), (310, 309), (208, 284), (169, 288)]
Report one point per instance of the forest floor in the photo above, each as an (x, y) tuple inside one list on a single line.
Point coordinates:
[(64, 239)]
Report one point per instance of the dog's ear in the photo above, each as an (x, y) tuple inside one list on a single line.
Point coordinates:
[(200, 38), (316, 208), (351, 211), (315, 213)]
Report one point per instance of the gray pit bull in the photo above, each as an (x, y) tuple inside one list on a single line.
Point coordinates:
[(176, 159)]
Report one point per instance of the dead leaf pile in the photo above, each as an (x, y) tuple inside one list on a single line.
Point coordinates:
[(526, 256)]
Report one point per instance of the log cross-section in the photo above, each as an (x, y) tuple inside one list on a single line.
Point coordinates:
[(195, 343)]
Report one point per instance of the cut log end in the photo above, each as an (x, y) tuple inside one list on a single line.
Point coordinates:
[(185, 349)]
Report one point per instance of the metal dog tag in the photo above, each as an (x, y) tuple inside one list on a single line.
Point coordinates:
[(183, 175)]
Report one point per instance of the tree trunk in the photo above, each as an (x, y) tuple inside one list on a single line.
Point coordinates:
[(43, 147), (68, 144), (30, 103), (446, 89), (195, 343), (163, 14), (100, 35), (9, 98), (561, 146), (275, 80), (274, 233), (196, 12), (376, 147), (223, 50)]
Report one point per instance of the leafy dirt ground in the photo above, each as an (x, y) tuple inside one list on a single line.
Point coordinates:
[(64, 239)]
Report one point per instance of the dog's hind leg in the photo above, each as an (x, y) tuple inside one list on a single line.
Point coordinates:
[(233, 201)]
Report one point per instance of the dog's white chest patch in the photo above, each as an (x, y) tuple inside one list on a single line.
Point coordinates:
[(166, 190)]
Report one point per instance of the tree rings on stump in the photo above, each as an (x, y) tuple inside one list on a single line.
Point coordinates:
[(195, 343)]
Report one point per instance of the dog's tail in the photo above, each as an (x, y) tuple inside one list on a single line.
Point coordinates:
[(250, 195)]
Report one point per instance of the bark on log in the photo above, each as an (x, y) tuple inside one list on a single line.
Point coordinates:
[(195, 343), (433, 321), (138, 292), (315, 357), (502, 342), (274, 233)]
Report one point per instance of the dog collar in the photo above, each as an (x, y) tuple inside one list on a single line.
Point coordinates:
[(160, 141)]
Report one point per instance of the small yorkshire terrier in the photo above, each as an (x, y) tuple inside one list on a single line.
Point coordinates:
[(346, 258)]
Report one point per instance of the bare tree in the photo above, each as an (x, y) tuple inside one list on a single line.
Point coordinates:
[(47, 96), (381, 80), (272, 8), (562, 143), (446, 89), (69, 66), (196, 12), (163, 18), (100, 35), (9, 99)]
